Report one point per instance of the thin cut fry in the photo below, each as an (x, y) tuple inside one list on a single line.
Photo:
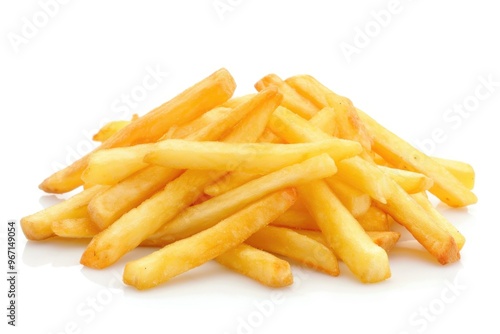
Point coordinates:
[(191, 252), (203, 96)]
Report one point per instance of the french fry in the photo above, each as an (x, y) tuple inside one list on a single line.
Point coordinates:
[(111, 128), (374, 220), (261, 266), (208, 93), (291, 99), (75, 228), (367, 261), (348, 123), (439, 219), (404, 156), (461, 170), (228, 182), (385, 239), (354, 200), (110, 166), (136, 225), (181, 256), (325, 120), (361, 174), (204, 215), (411, 182), (38, 226), (288, 243), (259, 158), (407, 212), (296, 218), (129, 193)]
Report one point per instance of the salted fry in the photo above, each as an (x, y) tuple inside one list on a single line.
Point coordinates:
[(179, 257), (261, 266), (208, 93), (287, 242)]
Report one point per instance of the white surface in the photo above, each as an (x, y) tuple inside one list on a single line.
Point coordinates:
[(66, 81)]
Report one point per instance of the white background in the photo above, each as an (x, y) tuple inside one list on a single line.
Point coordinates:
[(62, 82)]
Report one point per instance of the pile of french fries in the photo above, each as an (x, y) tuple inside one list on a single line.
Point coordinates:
[(293, 172)]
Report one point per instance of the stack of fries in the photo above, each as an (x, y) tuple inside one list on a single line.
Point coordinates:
[(292, 172)]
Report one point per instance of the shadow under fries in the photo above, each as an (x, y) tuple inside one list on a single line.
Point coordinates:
[(59, 252)]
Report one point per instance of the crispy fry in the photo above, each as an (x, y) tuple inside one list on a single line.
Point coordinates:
[(261, 266), (461, 170), (404, 156), (203, 96), (259, 158), (411, 182), (291, 99), (183, 255), (368, 262), (38, 226), (374, 219), (129, 193), (348, 123), (75, 228), (204, 215), (287, 242)]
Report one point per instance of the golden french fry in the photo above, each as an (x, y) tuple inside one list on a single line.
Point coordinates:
[(228, 182), (181, 256), (287, 242), (296, 218), (75, 228), (133, 227), (354, 200), (291, 99), (199, 217), (404, 156), (374, 219), (361, 174), (348, 123), (206, 94), (411, 182), (259, 158), (386, 239), (247, 122), (237, 100), (38, 226), (325, 120), (110, 166), (111, 128), (407, 212), (439, 219), (261, 266), (461, 170), (368, 262)]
